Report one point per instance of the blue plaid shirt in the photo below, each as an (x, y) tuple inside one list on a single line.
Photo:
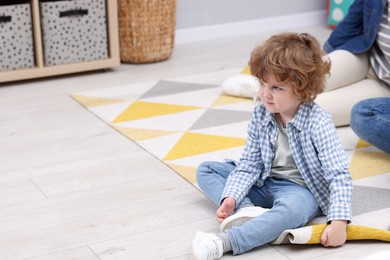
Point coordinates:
[(317, 152)]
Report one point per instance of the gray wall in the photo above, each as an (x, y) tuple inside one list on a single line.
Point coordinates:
[(197, 13)]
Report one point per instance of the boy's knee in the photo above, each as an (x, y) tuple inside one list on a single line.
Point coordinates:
[(202, 172), (203, 166), (202, 169), (213, 170)]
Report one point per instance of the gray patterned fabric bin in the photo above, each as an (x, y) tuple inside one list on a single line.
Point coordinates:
[(16, 40), (74, 31)]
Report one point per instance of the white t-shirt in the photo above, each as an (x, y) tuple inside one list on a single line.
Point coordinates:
[(284, 166)]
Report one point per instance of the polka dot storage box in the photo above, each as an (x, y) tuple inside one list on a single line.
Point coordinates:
[(73, 31), (16, 40), (337, 10)]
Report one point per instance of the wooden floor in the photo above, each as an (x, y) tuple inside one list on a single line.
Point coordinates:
[(71, 187)]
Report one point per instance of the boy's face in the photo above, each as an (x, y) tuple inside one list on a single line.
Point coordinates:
[(278, 98)]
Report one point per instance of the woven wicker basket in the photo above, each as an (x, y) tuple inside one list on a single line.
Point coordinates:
[(146, 30)]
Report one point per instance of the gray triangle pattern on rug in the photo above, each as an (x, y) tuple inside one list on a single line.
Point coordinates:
[(367, 199), (164, 88), (219, 117)]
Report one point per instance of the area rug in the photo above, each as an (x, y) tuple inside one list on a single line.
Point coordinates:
[(186, 121)]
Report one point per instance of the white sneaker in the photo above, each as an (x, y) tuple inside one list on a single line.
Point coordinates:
[(241, 216), (206, 246), (242, 85)]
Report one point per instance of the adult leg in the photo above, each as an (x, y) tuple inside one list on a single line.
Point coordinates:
[(339, 102), (370, 119), (293, 207), (346, 68), (351, 80)]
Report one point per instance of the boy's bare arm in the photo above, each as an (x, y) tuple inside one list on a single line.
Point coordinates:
[(335, 234)]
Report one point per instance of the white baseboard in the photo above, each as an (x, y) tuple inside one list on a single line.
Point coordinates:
[(249, 27)]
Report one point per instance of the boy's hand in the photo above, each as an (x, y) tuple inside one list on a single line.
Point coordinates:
[(335, 234), (226, 209)]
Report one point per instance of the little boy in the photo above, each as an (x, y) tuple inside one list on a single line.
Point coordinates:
[(293, 167)]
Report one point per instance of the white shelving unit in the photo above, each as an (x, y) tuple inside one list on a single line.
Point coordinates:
[(40, 70)]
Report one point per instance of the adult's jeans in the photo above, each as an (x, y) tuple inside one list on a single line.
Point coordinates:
[(291, 206), (370, 120)]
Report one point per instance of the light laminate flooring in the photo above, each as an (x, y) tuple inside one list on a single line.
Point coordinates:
[(71, 187)]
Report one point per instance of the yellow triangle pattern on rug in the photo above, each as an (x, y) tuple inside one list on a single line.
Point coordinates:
[(225, 100), (367, 163), (187, 172), (96, 101), (140, 134), (142, 109), (193, 143), (246, 70), (362, 144)]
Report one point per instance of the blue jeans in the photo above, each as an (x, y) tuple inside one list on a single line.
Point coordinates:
[(291, 206), (370, 119)]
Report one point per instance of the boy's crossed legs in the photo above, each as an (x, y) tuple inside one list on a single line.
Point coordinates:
[(291, 206)]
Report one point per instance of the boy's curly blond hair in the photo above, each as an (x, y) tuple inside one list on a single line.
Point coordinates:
[(294, 59)]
